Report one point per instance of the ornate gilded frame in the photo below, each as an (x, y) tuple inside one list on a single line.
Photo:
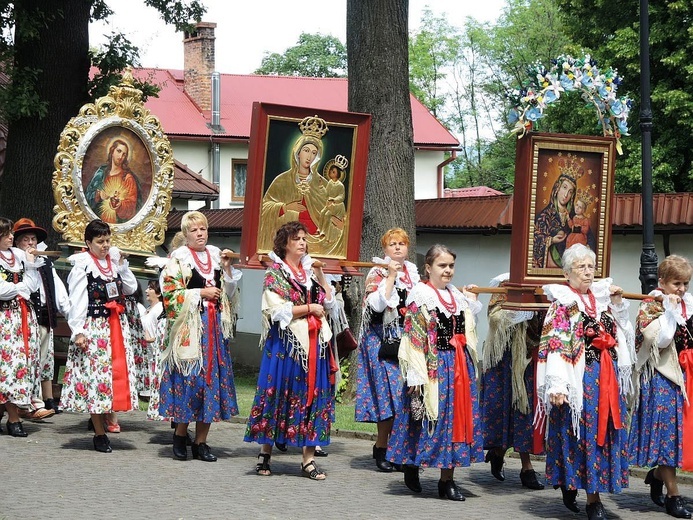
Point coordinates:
[(120, 114)]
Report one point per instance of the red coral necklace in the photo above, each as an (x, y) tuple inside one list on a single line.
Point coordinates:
[(450, 306), (204, 267), (591, 307), (9, 261), (299, 274), (108, 273), (405, 277)]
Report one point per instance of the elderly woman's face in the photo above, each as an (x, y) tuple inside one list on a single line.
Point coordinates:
[(581, 274), (677, 286), (296, 246), (307, 155), (565, 193), (196, 236)]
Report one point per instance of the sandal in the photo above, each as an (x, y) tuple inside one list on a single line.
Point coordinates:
[(315, 473), (263, 468)]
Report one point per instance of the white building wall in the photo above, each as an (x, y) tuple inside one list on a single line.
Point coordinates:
[(426, 172)]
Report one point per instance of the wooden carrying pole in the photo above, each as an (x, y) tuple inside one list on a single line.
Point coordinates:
[(540, 291)]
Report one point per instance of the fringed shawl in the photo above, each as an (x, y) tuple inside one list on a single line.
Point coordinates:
[(649, 329), (561, 360), (281, 293), (418, 354)]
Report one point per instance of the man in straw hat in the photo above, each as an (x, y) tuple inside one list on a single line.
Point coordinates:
[(50, 299)]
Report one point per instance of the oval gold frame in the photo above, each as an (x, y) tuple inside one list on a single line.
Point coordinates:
[(123, 108)]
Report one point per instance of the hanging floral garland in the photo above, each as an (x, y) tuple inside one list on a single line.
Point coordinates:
[(568, 74)]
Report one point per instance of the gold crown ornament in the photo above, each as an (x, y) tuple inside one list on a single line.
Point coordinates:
[(313, 127), (341, 162), (585, 197), (569, 166)]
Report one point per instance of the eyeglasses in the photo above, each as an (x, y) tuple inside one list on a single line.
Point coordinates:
[(583, 268)]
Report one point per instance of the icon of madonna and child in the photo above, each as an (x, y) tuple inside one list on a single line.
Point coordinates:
[(302, 193), (569, 215)]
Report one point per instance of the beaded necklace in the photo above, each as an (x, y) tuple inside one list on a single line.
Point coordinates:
[(450, 306), (9, 261), (591, 307), (108, 273), (204, 267), (299, 274)]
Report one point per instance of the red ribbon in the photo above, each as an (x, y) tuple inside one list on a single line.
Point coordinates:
[(212, 335), (25, 328), (313, 332), (462, 417), (686, 360), (119, 365), (608, 386), (539, 431)]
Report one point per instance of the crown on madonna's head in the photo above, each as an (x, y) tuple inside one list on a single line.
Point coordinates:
[(313, 127), (570, 166), (341, 162), (585, 197)]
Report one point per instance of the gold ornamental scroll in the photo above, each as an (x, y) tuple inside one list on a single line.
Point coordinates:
[(115, 163)]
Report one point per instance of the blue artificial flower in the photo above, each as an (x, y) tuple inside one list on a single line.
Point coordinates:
[(567, 83), (603, 91), (550, 96), (586, 80), (622, 125), (533, 114), (616, 108), (513, 117)]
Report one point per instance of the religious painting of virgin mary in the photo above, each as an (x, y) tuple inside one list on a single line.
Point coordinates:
[(309, 168), (563, 196)]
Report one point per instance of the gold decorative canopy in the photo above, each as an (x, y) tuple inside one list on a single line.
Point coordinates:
[(114, 162)]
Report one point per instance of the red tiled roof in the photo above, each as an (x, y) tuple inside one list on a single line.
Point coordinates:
[(479, 214), (218, 220), (476, 191), (187, 184), (179, 116)]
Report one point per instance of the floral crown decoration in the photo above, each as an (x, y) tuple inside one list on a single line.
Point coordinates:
[(568, 74), (570, 167)]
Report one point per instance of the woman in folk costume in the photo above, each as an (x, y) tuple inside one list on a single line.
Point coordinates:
[(508, 399), (154, 325), (294, 401), (584, 372), (662, 428), (199, 287), (379, 382), (19, 333), (438, 424), (99, 373)]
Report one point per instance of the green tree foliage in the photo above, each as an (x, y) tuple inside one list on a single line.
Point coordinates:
[(613, 38), (314, 55)]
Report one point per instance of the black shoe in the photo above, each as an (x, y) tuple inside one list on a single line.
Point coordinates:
[(102, 444), (16, 429), (281, 446), (676, 507), (656, 488), (49, 404), (448, 488), (202, 452), (411, 478), (496, 464), (529, 479), (379, 456), (180, 449), (595, 511), (321, 453), (569, 496), (188, 439)]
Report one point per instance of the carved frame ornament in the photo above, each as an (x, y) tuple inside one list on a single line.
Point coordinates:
[(136, 201)]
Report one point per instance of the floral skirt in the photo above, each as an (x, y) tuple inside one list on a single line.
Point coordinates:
[(156, 348), (412, 443), (279, 412), (207, 395), (656, 434), (581, 463), (378, 383), (138, 345), (19, 374), (503, 425), (88, 381)]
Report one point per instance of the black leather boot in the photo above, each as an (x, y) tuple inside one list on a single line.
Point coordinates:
[(102, 444), (496, 461), (16, 429), (569, 496), (202, 452), (379, 456), (676, 507), (595, 511), (448, 488), (529, 479), (180, 449), (656, 488), (411, 478)]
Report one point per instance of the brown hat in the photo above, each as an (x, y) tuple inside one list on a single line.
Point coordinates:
[(26, 225)]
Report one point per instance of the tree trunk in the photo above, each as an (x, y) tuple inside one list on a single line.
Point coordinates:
[(378, 57), (63, 62), (378, 63)]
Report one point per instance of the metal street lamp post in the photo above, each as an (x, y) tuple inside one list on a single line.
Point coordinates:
[(648, 257)]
